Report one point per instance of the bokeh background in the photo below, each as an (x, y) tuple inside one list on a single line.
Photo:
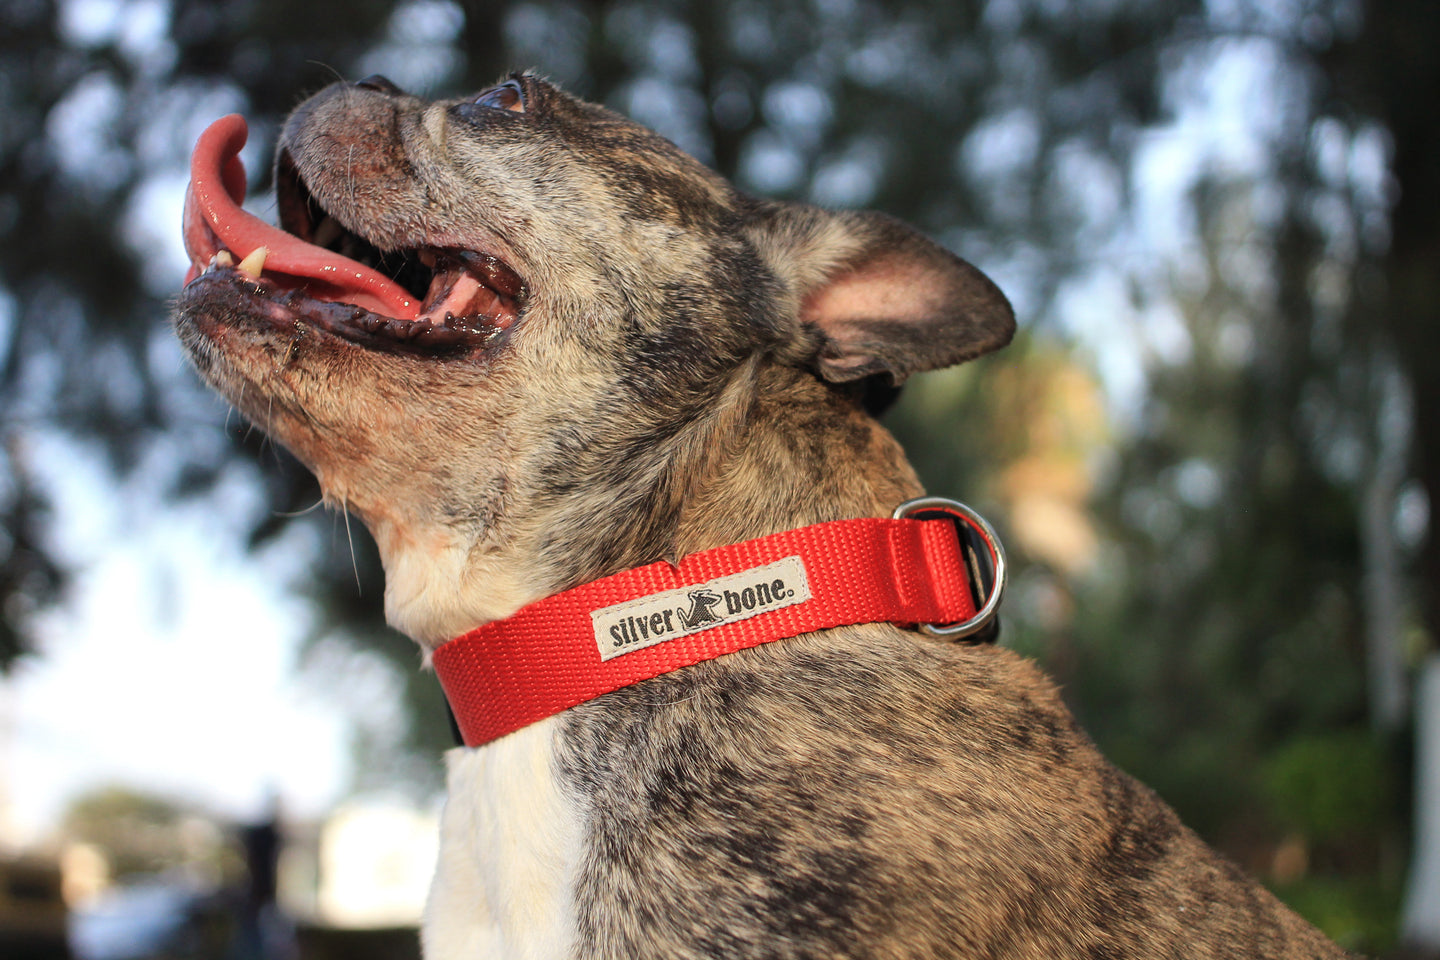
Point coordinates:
[(1211, 451)]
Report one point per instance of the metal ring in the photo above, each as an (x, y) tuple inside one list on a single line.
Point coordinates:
[(997, 557)]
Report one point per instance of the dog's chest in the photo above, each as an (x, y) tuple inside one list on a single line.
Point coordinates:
[(510, 844)]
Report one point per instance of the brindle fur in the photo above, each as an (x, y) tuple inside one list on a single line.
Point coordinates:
[(687, 371)]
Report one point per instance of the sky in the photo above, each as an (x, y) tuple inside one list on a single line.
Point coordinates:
[(174, 666)]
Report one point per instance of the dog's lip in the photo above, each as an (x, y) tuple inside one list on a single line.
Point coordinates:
[(214, 220)]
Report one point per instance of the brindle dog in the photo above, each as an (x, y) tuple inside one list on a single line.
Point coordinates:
[(530, 343)]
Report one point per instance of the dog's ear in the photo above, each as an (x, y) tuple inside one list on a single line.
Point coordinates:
[(884, 299)]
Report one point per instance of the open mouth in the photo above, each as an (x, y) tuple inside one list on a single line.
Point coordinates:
[(421, 298)]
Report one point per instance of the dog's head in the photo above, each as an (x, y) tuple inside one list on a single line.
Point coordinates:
[(513, 332)]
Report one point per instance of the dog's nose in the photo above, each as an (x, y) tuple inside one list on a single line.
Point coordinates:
[(381, 84)]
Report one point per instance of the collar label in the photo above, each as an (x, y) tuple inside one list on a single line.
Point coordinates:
[(637, 624)]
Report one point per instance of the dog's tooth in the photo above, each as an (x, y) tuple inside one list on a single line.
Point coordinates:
[(254, 262), (223, 258), (327, 231)]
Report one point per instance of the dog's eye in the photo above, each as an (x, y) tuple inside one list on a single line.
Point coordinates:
[(507, 96)]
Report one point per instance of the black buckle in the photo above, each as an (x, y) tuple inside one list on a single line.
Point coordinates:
[(984, 561)]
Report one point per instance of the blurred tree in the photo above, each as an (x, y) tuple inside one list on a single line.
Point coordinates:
[(1259, 517), (1381, 77), (143, 834)]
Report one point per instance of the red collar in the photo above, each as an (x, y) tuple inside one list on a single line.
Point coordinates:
[(616, 631)]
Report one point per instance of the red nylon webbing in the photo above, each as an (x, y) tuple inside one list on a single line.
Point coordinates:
[(547, 656)]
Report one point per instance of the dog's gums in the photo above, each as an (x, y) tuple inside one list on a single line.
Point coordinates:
[(314, 270)]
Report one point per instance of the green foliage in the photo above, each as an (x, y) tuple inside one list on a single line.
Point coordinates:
[(1360, 912), (1331, 787)]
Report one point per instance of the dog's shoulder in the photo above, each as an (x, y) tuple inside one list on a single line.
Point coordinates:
[(864, 780)]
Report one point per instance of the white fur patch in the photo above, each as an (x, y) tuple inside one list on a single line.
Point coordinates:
[(510, 843), (433, 581)]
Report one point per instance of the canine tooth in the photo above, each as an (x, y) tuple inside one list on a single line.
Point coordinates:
[(223, 258), (254, 262), (327, 231)]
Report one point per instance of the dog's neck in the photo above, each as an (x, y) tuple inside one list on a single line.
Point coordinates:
[(780, 451), (802, 454)]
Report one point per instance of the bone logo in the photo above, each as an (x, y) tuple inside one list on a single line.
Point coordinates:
[(672, 614)]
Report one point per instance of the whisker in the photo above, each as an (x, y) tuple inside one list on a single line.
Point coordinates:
[(300, 513), (350, 536)]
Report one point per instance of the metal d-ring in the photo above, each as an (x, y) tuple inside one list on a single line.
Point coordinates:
[(987, 536)]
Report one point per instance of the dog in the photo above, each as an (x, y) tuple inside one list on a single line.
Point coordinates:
[(533, 345)]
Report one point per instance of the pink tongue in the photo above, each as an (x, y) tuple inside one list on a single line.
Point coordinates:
[(212, 210)]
